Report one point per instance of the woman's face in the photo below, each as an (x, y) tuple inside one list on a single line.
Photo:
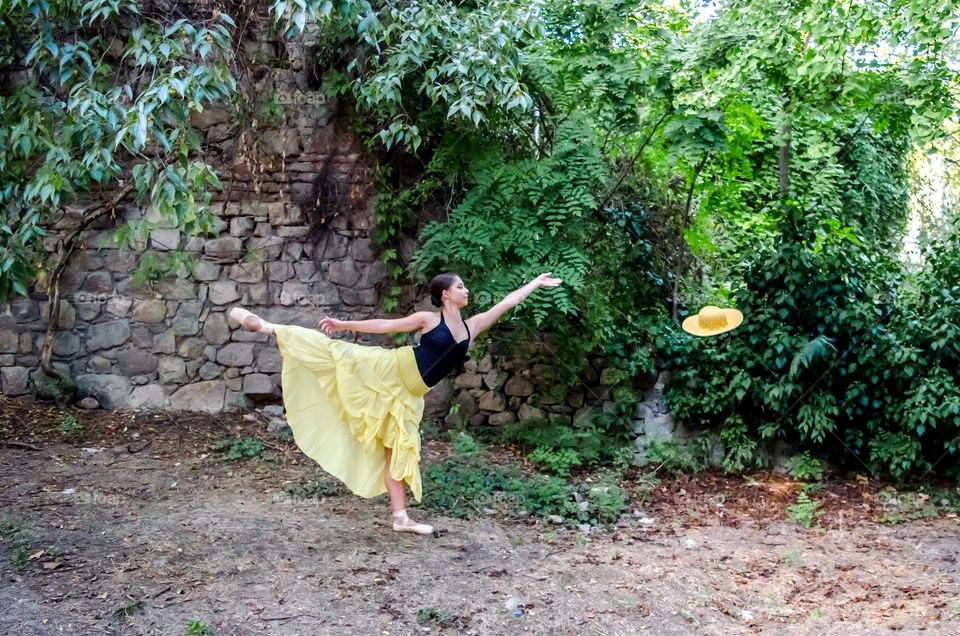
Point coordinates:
[(458, 294)]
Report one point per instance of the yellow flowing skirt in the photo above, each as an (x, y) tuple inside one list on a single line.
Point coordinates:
[(347, 402)]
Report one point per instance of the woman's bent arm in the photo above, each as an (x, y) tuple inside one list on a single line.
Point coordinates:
[(413, 322)]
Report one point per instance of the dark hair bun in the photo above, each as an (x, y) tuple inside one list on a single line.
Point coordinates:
[(439, 284)]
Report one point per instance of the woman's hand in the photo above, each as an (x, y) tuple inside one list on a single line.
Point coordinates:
[(330, 325), (545, 280)]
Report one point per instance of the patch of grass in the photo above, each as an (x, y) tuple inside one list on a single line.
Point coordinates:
[(198, 628), (69, 424), (316, 489), (128, 609), (805, 511), (556, 461), (463, 443), (792, 558), (19, 534), (910, 506), (558, 448), (237, 449), (690, 616), (11, 526), (644, 488), (441, 618), (20, 556)]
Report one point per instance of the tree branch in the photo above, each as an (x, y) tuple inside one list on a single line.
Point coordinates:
[(89, 215), (634, 159)]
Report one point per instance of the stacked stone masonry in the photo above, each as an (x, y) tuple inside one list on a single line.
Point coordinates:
[(294, 243), (500, 390)]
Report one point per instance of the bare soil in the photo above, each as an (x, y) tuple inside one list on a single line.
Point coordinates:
[(132, 525)]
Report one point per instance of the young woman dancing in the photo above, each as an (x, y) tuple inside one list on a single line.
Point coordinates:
[(356, 409)]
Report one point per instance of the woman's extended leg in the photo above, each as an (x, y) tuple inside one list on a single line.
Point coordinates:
[(250, 321), (398, 503)]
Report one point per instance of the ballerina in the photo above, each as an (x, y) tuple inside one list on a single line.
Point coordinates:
[(356, 409)]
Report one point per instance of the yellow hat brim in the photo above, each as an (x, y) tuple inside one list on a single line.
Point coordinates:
[(734, 318)]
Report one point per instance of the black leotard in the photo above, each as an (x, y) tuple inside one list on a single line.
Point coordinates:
[(438, 353)]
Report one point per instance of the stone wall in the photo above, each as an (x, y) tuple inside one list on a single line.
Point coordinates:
[(294, 243), (502, 389)]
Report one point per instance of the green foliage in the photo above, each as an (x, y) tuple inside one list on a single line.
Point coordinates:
[(605, 504), (463, 443), (550, 203), (792, 558), (199, 628), (441, 618), (92, 107), (19, 535), (559, 448), (905, 506), (558, 462), (468, 485), (806, 468), (842, 344), (805, 511), (316, 489), (128, 609), (69, 424), (672, 456), (427, 60), (236, 449)]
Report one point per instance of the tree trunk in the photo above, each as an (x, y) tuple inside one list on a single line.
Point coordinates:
[(785, 132), (89, 215)]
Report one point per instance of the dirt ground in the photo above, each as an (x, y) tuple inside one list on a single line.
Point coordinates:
[(130, 524)]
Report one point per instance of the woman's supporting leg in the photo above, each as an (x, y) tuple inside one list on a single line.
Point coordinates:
[(398, 503), (395, 489)]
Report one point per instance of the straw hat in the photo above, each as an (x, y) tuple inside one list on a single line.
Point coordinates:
[(712, 321)]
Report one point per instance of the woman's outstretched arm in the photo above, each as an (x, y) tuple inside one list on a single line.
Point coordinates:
[(413, 322), (483, 321)]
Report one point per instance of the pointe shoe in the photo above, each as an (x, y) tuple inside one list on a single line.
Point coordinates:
[(249, 320), (403, 523)]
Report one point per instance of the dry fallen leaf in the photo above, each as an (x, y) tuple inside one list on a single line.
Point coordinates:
[(51, 565), (35, 555)]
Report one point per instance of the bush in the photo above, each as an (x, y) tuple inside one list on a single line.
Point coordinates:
[(843, 351), (805, 511), (463, 443), (672, 456), (236, 449), (806, 468), (559, 462), (465, 486), (560, 448)]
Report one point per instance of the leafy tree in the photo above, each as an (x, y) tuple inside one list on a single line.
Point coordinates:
[(95, 112)]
